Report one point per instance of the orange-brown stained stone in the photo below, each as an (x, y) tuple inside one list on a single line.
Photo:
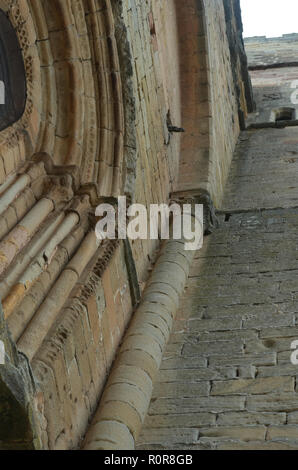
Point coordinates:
[(10, 247), (11, 301)]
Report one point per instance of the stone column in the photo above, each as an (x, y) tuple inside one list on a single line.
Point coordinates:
[(126, 399)]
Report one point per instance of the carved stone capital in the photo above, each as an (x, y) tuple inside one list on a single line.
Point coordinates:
[(199, 196)]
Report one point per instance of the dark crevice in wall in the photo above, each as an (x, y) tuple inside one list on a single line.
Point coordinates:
[(278, 65), (273, 125), (132, 274)]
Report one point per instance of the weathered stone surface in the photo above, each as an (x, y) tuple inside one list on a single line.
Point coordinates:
[(253, 386), (192, 376), (213, 348), (243, 418), (256, 445), (239, 312), (262, 51), (181, 363), (107, 82), (293, 417), (194, 420), (252, 183), (242, 360), (283, 433), (172, 436), (242, 433), (196, 405), (277, 402), (266, 386), (172, 390)]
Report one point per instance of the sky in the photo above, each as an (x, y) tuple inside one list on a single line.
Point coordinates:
[(271, 18)]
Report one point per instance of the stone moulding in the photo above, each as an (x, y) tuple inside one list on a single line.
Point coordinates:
[(76, 146), (56, 163), (20, 136), (17, 386), (199, 196), (13, 78), (74, 109), (126, 398)]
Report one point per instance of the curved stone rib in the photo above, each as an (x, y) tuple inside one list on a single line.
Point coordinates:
[(18, 198), (23, 232), (126, 399), (44, 257), (37, 330), (10, 195), (7, 183), (23, 314), (80, 72), (33, 248)]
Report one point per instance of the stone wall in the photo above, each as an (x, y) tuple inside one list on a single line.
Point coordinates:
[(274, 89), (274, 74), (151, 32), (227, 380), (263, 172), (109, 84), (265, 52), (224, 107), (208, 78), (238, 59)]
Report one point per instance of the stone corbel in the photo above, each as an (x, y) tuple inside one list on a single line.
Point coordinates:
[(199, 196), (56, 170), (92, 190)]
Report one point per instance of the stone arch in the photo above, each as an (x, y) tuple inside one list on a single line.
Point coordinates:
[(74, 116), (57, 162), (12, 73), (17, 140)]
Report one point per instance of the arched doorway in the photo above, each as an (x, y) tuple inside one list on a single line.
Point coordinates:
[(12, 75)]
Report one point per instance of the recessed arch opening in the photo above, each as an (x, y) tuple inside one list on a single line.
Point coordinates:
[(12, 75), (283, 114)]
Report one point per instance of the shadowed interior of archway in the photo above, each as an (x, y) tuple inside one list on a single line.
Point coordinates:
[(12, 74)]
